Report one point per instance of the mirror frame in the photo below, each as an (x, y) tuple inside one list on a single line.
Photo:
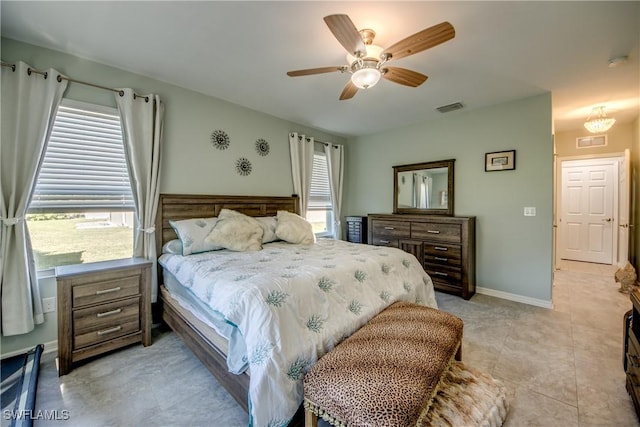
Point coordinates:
[(425, 165)]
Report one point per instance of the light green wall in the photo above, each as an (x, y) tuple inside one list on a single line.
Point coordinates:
[(513, 252), (190, 164)]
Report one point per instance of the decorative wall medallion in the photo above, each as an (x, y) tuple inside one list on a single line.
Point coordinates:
[(243, 166), (220, 139), (262, 147)]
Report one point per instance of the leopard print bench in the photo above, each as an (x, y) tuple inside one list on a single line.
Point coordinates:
[(388, 372)]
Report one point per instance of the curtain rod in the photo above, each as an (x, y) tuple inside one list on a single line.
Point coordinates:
[(60, 78)]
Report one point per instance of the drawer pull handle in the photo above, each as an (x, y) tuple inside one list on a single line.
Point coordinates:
[(108, 291), (440, 248), (389, 228), (440, 273), (433, 231), (385, 242), (109, 313), (109, 331), (437, 258)]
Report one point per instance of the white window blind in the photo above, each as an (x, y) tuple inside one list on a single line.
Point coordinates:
[(84, 168), (320, 196)]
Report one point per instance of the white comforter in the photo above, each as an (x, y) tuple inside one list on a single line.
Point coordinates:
[(293, 303)]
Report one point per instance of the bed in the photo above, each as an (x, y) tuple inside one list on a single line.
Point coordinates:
[(330, 302)]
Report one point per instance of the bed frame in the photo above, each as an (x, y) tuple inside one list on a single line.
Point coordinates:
[(179, 207)]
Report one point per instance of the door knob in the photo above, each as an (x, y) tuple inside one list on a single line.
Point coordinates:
[(607, 220)]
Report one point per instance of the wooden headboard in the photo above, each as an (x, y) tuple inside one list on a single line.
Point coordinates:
[(186, 206)]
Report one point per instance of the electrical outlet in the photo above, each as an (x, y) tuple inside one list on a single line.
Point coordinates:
[(48, 305), (529, 211)]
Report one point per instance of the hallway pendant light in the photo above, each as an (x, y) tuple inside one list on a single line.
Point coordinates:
[(598, 122)]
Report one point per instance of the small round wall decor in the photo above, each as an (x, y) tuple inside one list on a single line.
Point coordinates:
[(243, 166), (220, 139), (262, 147)]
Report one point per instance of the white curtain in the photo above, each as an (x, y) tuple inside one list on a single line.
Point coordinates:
[(422, 189), (335, 165), (29, 105), (142, 121), (301, 148)]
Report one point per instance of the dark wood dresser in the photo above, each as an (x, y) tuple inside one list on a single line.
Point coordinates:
[(632, 345), (102, 306), (356, 229), (445, 246)]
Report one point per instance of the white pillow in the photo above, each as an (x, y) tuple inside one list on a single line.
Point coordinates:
[(172, 247), (293, 228), (193, 232), (268, 224), (236, 232)]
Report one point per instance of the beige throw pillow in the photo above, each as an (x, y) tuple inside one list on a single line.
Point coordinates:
[(236, 232), (293, 228)]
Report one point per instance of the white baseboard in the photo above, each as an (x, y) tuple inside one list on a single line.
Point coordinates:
[(514, 297), (49, 347)]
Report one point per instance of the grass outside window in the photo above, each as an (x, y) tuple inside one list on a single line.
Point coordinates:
[(63, 239)]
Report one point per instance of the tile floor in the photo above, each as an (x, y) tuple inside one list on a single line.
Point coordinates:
[(563, 367)]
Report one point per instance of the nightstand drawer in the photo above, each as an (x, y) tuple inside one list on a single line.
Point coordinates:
[(110, 290), (103, 314), (452, 276), (105, 333)]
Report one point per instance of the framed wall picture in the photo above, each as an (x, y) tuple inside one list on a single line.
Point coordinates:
[(500, 161)]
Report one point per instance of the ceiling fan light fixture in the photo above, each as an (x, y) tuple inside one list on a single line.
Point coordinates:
[(365, 78), (598, 122)]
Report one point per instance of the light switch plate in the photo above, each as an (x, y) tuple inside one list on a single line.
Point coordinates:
[(529, 211), (48, 305)]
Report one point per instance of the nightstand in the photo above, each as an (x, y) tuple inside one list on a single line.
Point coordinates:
[(102, 306)]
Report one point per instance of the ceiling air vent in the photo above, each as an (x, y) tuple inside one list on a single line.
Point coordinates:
[(591, 141), (451, 107)]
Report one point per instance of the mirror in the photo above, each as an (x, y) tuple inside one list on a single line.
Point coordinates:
[(424, 188)]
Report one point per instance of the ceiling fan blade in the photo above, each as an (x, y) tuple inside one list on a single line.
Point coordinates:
[(404, 77), (347, 34), (349, 91), (422, 40), (310, 71)]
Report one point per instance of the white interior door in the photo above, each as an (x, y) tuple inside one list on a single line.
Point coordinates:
[(588, 217)]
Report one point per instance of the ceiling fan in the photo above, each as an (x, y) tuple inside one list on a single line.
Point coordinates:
[(367, 63)]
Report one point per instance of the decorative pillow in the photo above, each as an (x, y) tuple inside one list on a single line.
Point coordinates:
[(193, 233), (268, 224), (173, 247), (236, 232), (293, 228)]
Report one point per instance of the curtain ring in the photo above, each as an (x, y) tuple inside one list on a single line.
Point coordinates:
[(46, 74), (121, 93), (59, 78), (146, 99), (13, 68), (29, 71)]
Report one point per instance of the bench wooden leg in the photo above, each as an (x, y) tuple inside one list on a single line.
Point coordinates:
[(310, 419)]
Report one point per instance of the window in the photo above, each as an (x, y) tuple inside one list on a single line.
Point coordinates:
[(320, 209), (82, 207)]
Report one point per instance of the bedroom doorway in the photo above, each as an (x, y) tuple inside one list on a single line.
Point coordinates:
[(593, 209)]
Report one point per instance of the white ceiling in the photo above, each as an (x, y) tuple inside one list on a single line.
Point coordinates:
[(241, 51)]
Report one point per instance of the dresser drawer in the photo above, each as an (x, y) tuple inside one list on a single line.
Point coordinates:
[(441, 273), (101, 333), (109, 290), (104, 314), (392, 228), (438, 231), (384, 241), (442, 253)]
